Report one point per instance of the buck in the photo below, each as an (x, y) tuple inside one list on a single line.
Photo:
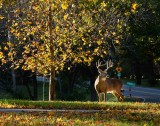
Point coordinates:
[(104, 84)]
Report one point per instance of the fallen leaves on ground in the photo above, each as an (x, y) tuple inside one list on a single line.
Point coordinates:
[(114, 117)]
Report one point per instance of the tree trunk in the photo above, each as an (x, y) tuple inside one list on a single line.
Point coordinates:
[(150, 72), (13, 80), (138, 72), (52, 84), (26, 82), (52, 70), (92, 73), (44, 83), (29, 91), (12, 69), (71, 81), (93, 91), (35, 87), (59, 83)]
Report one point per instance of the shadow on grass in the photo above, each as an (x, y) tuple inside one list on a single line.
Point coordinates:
[(133, 99)]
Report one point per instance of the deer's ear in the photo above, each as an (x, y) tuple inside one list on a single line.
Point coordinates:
[(105, 71), (100, 71)]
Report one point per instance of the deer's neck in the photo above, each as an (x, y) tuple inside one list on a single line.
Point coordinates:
[(102, 78)]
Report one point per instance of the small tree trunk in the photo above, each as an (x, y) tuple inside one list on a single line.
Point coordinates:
[(35, 87), (14, 80), (52, 70), (44, 83), (92, 76), (52, 84), (60, 84), (12, 69), (150, 72), (71, 81), (29, 91), (93, 91), (138, 72)]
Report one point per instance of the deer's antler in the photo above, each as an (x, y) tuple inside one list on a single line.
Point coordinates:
[(109, 64), (99, 64)]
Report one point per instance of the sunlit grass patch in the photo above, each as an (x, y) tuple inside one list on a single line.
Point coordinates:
[(76, 105)]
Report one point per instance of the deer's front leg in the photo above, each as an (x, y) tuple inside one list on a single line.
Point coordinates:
[(100, 97)]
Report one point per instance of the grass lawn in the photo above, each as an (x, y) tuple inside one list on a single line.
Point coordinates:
[(132, 112), (111, 114)]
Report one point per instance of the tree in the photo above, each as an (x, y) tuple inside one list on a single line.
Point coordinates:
[(8, 61), (51, 34), (142, 38), (6, 17)]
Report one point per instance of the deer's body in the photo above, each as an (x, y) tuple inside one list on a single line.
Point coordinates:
[(105, 85), (108, 85)]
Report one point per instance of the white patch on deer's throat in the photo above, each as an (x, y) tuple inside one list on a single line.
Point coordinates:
[(103, 78)]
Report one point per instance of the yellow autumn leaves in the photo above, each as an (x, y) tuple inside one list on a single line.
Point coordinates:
[(72, 32), (64, 5), (134, 7), (1, 17), (65, 16), (2, 58), (1, 55), (143, 115)]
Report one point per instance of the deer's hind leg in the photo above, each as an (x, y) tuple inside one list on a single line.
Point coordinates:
[(118, 95), (105, 96), (121, 97)]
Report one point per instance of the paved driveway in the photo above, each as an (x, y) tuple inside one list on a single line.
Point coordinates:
[(149, 94)]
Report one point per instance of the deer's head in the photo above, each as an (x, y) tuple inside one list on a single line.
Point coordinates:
[(103, 73)]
